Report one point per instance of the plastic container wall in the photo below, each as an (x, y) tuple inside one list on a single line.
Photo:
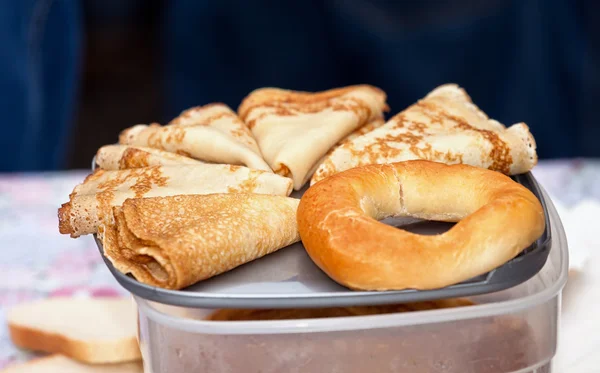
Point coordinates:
[(510, 331)]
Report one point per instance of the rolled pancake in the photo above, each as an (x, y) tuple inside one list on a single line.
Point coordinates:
[(174, 242), (444, 127), (122, 157), (211, 133), (295, 130), (93, 200)]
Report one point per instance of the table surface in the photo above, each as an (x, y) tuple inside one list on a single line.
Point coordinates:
[(37, 262)]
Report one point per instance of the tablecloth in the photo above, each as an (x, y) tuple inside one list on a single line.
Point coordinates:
[(37, 262)]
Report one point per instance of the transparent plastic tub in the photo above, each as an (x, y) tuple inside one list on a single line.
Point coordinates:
[(514, 330)]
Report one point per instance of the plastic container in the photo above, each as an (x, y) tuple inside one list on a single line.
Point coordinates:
[(288, 278), (514, 330)]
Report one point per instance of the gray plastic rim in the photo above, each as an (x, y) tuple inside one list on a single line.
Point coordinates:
[(511, 274)]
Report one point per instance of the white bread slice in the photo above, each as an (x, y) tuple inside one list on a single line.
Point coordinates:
[(96, 331), (62, 364)]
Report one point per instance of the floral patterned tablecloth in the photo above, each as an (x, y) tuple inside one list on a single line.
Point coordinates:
[(37, 262)]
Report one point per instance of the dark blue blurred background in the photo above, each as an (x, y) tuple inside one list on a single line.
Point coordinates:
[(74, 73)]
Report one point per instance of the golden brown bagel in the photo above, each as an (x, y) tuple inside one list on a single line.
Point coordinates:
[(338, 223)]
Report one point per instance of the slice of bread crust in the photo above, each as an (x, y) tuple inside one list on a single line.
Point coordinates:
[(62, 364), (95, 331)]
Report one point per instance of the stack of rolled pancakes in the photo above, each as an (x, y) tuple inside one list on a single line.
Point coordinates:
[(179, 203)]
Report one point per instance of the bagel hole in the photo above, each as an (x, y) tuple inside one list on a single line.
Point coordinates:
[(418, 226)]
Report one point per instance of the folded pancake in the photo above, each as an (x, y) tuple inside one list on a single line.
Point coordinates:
[(92, 201), (295, 130), (376, 123), (211, 133), (444, 127), (173, 242), (122, 157)]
